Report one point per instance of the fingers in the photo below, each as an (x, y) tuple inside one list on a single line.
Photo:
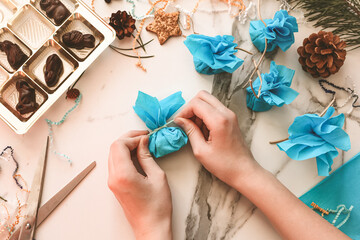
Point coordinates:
[(194, 133), (135, 133), (201, 110), (145, 159), (210, 99), (120, 152)]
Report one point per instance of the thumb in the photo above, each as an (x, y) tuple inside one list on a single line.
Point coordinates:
[(145, 159), (194, 133)]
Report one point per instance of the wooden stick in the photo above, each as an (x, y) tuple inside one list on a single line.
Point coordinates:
[(261, 58), (327, 107), (279, 141), (241, 49)]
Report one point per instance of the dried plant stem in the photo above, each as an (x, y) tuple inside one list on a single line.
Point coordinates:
[(257, 95), (132, 56), (129, 49), (3, 199), (279, 141), (327, 107), (244, 50), (256, 70)]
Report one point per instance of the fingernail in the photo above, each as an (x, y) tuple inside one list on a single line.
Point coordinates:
[(145, 140), (179, 121)]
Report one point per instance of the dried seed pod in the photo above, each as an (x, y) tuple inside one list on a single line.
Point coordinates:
[(123, 23), (322, 54), (72, 93)]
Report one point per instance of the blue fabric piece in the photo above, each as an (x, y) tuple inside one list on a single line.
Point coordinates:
[(279, 32), (313, 136), (155, 113), (275, 90), (213, 55), (341, 187)]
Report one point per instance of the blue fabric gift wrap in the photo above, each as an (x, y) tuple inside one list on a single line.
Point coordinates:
[(313, 136), (275, 90), (213, 55), (340, 188), (278, 32), (163, 140)]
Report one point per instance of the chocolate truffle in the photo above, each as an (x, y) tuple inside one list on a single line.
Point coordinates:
[(15, 56), (53, 70), (55, 9), (76, 39), (27, 97)]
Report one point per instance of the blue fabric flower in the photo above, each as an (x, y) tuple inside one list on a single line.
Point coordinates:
[(275, 90), (213, 55), (278, 32), (155, 113), (313, 136)]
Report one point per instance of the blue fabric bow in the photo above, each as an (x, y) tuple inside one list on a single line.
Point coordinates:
[(313, 136), (155, 113), (275, 90), (213, 55), (278, 32), (341, 187)]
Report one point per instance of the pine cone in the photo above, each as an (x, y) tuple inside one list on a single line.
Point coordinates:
[(123, 23), (322, 54)]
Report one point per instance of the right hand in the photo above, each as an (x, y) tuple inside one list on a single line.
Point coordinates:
[(215, 138)]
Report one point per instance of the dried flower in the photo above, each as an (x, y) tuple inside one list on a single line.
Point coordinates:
[(123, 23), (72, 93)]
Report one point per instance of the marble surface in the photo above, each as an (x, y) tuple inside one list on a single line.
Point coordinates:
[(204, 207)]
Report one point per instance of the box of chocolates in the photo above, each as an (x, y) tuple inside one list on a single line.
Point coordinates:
[(45, 46)]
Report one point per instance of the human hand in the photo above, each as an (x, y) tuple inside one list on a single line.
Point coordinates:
[(145, 197), (215, 138)]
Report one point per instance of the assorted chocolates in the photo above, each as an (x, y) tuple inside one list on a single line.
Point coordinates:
[(27, 97), (53, 70), (56, 10), (76, 39), (45, 46), (15, 56)]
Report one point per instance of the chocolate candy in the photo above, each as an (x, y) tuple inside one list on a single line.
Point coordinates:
[(76, 39), (27, 97), (55, 9), (15, 56), (53, 70)]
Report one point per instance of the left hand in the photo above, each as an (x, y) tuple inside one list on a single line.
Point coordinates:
[(145, 197)]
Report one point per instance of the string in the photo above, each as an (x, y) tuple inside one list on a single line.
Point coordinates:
[(7, 218), (133, 14), (350, 91), (139, 64), (11, 227), (159, 128), (14, 175), (51, 133), (285, 5), (256, 70), (188, 14), (340, 209)]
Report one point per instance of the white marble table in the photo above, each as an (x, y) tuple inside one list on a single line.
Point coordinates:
[(204, 208)]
